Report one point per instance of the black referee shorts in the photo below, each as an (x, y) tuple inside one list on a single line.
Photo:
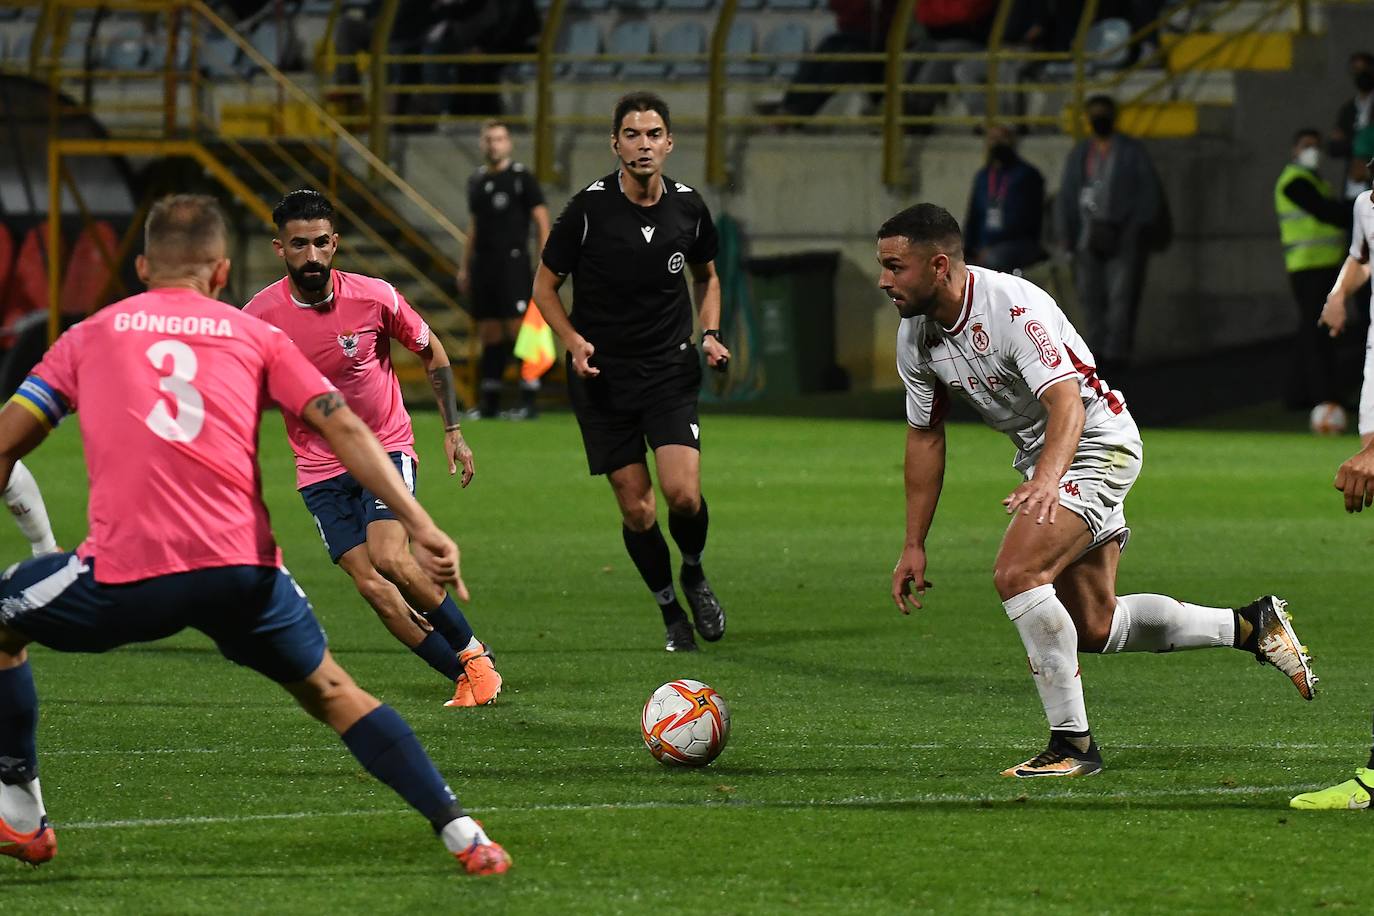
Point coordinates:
[(636, 401), (501, 287)]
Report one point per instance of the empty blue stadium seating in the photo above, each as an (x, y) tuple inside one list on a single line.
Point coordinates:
[(685, 38), (787, 38), (635, 36), (741, 39)]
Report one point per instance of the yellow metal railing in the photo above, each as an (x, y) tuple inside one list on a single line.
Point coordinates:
[(896, 89), (182, 114)]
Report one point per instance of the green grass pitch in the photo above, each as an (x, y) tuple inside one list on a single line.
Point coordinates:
[(861, 775)]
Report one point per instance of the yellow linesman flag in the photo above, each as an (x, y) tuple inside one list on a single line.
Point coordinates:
[(534, 345)]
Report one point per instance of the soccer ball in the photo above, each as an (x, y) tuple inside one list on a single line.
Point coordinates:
[(1327, 419), (685, 723)]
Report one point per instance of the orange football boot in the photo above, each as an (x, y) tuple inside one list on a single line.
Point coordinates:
[(34, 848)]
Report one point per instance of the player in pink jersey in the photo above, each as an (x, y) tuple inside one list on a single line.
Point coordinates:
[(171, 385), (1002, 346), (344, 323)]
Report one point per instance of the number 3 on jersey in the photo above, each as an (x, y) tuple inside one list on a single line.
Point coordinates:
[(185, 425)]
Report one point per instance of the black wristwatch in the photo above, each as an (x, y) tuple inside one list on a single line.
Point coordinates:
[(713, 333)]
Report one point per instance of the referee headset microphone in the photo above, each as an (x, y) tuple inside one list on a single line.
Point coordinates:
[(642, 140)]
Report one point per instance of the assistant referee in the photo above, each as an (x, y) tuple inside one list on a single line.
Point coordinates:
[(634, 373)]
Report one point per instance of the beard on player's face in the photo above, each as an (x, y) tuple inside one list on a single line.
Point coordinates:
[(310, 277)]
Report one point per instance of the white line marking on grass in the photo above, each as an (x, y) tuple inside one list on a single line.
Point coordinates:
[(858, 801), (328, 747)]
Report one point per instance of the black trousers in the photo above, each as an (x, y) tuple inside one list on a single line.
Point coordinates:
[(1326, 368)]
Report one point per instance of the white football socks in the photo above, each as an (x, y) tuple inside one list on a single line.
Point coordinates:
[(1051, 643), (1158, 623), (459, 834), (21, 806), (26, 504)]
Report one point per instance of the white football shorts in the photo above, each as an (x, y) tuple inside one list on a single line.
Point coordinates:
[(1103, 471)]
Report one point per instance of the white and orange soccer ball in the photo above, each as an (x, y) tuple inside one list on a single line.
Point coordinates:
[(1328, 419), (685, 723)]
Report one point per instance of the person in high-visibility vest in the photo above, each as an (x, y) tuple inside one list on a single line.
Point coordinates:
[(1313, 227)]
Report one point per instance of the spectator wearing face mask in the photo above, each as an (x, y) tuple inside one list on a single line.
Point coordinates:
[(1355, 123), (1005, 208), (1110, 214), (1313, 227)]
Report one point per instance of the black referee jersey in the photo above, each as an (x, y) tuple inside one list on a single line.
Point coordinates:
[(500, 204), (630, 296)]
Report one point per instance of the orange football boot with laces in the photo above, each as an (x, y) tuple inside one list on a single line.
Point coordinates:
[(484, 859), (35, 848), (479, 684)]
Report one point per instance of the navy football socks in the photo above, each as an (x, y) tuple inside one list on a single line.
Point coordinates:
[(649, 551), (389, 750), (18, 725), (449, 621), (439, 655), (689, 532)]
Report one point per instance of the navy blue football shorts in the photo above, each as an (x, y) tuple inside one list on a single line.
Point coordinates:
[(257, 615), (343, 508)]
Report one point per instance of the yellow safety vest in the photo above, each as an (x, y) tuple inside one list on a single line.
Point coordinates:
[(1308, 243)]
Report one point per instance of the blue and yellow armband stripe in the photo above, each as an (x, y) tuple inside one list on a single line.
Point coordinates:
[(42, 400)]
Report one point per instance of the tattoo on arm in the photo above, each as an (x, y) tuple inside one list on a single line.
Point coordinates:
[(441, 380), (328, 403)]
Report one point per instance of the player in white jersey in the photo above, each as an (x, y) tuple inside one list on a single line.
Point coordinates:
[(1355, 274), (1002, 345), (1356, 476)]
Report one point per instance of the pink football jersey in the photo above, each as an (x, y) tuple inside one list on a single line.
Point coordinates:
[(348, 339), (170, 385)]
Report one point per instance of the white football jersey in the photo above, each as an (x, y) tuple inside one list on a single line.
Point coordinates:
[(1362, 238), (1011, 342)]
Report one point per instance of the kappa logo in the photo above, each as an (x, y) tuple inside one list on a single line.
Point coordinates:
[(675, 263), (1049, 353), (696, 431), (980, 339), (598, 185), (681, 188), (1017, 311), (647, 232), (348, 340)]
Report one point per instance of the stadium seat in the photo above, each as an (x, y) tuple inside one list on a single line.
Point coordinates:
[(1109, 37), (787, 38), (218, 56), (642, 6), (9, 12), (590, 6), (689, 6), (1103, 35), (584, 37), (634, 36), (750, 5), (157, 50), (127, 49), (741, 40), (790, 6), (685, 38)]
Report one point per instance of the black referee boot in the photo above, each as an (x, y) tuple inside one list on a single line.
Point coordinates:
[(680, 637)]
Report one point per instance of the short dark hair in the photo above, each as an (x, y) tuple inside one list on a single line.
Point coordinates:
[(494, 123), (1303, 132), (1101, 99), (640, 101), (1363, 57), (926, 224), (184, 230), (302, 204)]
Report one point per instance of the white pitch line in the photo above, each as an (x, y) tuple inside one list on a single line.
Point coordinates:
[(328, 747), (859, 801)]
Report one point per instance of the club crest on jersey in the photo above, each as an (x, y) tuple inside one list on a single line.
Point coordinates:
[(500, 200), (675, 262), (980, 338), (348, 341), (1049, 353)]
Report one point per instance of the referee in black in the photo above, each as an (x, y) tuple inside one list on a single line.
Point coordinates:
[(503, 197), (634, 374)]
